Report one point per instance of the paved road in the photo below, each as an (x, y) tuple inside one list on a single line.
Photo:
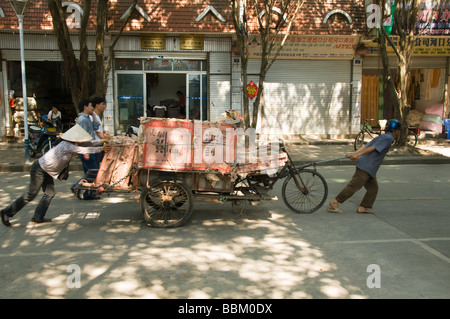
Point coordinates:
[(264, 252)]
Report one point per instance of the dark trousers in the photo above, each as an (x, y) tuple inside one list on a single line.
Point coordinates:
[(99, 157), (38, 179), (360, 179)]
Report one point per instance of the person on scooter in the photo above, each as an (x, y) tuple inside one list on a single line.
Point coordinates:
[(54, 117), (49, 167)]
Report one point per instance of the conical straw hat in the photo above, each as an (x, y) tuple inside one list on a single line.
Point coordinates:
[(76, 134)]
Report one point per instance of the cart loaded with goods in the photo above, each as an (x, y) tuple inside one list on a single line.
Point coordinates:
[(173, 163)]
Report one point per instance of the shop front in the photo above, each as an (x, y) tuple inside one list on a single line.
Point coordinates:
[(46, 87), (428, 80), (160, 87), (182, 80), (168, 76), (312, 88)]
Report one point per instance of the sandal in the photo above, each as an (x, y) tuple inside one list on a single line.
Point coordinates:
[(365, 211), (334, 210), (5, 219)]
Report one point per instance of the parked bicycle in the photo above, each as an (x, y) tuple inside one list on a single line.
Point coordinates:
[(367, 133)]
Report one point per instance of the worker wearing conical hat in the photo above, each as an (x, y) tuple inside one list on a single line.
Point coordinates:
[(49, 167)]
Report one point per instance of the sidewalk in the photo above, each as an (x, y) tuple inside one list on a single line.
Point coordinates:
[(430, 150), (308, 149)]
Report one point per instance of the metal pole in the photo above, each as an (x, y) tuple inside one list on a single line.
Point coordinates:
[(331, 160), (24, 91)]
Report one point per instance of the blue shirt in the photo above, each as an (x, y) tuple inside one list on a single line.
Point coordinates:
[(85, 122), (371, 162)]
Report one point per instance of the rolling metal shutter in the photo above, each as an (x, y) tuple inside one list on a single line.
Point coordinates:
[(306, 96), (219, 83)]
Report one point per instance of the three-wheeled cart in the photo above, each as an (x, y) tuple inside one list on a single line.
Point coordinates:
[(169, 188)]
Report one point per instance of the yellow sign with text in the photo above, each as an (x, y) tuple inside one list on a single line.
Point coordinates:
[(297, 47), (192, 41), (156, 41), (439, 45)]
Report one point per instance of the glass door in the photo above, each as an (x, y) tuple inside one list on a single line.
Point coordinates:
[(130, 99), (196, 97)]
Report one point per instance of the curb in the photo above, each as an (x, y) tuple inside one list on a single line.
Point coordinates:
[(287, 143), (389, 159), (5, 168), (397, 160)]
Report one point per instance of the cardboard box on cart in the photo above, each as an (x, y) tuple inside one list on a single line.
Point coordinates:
[(185, 145), (167, 144), (214, 146), (175, 144)]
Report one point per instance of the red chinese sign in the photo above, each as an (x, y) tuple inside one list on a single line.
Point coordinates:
[(252, 90)]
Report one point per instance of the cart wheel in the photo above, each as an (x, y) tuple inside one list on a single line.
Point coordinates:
[(309, 196), (166, 204)]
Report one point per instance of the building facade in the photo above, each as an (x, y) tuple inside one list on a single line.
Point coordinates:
[(314, 87)]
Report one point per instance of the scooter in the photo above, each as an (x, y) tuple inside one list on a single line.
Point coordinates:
[(42, 139)]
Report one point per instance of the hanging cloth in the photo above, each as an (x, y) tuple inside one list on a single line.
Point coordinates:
[(435, 77)]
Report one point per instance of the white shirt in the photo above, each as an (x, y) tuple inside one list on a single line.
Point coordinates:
[(59, 156), (52, 116), (100, 128)]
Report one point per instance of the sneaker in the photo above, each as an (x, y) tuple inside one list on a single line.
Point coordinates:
[(77, 193), (92, 198), (40, 221), (5, 219)]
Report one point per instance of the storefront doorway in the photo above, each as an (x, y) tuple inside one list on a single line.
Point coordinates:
[(46, 87), (425, 97), (177, 95), (167, 88)]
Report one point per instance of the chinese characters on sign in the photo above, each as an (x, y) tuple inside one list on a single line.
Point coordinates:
[(191, 41), (422, 46), (309, 47), (157, 41), (154, 41), (433, 18)]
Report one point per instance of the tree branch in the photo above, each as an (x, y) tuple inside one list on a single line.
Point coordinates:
[(116, 39)]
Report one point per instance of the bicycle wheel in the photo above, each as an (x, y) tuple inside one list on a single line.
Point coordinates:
[(46, 148), (411, 139), (166, 204), (359, 140), (309, 196)]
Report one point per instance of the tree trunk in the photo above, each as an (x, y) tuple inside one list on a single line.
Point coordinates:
[(268, 25), (77, 70), (100, 85), (404, 19), (70, 64), (246, 101), (240, 25)]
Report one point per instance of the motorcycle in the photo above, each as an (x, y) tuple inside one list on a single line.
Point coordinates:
[(42, 139)]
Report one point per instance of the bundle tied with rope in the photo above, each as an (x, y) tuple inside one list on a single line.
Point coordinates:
[(119, 166)]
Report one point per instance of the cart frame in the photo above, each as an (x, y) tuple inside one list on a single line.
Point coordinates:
[(167, 196)]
